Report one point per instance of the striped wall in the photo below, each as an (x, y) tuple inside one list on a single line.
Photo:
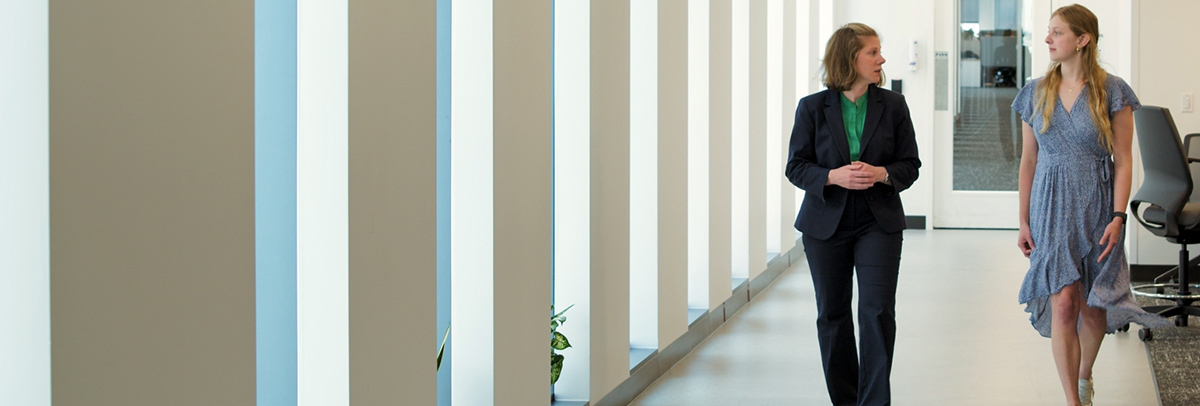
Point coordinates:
[(286, 202)]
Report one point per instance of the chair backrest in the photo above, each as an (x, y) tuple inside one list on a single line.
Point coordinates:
[(1168, 180), (1191, 149)]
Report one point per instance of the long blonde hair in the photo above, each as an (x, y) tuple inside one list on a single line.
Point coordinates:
[(1082, 21), (841, 53)]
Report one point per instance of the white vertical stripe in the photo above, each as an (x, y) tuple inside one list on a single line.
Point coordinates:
[(740, 141), (774, 158), (24, 204), (471, 202), (698, 155), (643, 174), (572, 188), (790, 76), (322, 223)]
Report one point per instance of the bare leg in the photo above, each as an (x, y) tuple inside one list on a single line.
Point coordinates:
[(1064, 339), (1091, 333)]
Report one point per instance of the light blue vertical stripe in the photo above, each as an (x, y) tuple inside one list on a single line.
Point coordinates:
[(443, 193), (275, 200), (25, 203)]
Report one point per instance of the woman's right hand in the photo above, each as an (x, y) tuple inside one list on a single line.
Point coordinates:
[(1025, 240), (853, 176)]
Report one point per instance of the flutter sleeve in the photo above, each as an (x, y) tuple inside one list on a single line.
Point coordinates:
[(1023, 103), (1120, 95)]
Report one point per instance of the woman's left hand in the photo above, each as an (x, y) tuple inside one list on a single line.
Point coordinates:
[(878, 173), (1112, 234)]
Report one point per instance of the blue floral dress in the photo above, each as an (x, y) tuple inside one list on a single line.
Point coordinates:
[(1070, 204)]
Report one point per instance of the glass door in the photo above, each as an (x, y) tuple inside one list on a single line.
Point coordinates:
[(991, 62)]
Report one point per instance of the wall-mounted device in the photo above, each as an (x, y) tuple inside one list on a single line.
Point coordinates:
[(912, 56)]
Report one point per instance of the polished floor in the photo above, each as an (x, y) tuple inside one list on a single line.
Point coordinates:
[(962, 339)]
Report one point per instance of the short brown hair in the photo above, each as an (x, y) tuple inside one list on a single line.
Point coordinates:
[(841, 53)]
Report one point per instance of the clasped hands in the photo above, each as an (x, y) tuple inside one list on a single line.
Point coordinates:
[(857, 175)]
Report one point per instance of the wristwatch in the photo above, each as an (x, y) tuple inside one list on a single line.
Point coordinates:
[(1124, 217), (886, 177)]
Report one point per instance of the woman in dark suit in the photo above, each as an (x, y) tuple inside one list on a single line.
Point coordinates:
[(853, 150)]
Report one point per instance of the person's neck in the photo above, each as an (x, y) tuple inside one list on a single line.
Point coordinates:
[(856, 91), (1072, 71)]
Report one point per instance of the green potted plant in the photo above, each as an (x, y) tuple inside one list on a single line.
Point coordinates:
[(558, 342)]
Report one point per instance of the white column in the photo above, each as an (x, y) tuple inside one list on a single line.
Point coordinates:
[(643, 168), (322, 222), (392, 191), (720, 86), (152, 203), (523, 169), (572, 188), (609, 194), (471, 229), (756, 152), (24, 215), (673, 145)]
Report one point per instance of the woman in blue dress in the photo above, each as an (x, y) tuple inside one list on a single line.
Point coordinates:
[(1075, 177)]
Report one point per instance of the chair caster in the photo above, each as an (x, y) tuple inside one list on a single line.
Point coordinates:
[(1145, 334), (1123, 328)]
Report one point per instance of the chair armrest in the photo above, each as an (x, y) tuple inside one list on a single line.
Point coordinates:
[(1169, 228), (1187, 145)]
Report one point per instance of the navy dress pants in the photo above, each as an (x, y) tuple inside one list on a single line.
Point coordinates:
[(859, 377)]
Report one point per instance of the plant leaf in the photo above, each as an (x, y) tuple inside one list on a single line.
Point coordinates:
[(559, 342), (559, 314), (553, 324), (442, 350), (556, 364)]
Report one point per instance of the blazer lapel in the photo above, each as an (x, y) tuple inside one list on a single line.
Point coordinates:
[(833, 116), (874, 113)]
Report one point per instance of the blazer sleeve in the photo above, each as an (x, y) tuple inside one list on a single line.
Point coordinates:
[(802, 169), (903, 171)]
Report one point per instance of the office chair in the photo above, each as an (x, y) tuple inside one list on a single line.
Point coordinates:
[(1171, 211)]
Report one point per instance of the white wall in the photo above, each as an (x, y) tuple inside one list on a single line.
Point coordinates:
[(1166, 67), (894, 21)]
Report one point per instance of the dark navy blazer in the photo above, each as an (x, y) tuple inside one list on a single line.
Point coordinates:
[(819, 145)]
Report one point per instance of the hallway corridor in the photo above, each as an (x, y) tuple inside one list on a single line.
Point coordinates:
[(962, 339)]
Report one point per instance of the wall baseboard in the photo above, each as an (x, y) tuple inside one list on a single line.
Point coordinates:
[(660, 362), (914, 222), (1146, 273)]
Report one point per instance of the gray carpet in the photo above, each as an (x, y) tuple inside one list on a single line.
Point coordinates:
[(987, 140), (1175, 360)]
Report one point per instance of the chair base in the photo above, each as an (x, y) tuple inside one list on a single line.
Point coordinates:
[(1184, 293), (1183, 302)]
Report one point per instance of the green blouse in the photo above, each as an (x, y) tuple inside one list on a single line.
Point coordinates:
[(854, 115)]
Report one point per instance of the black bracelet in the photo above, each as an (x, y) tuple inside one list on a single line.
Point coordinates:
[(1120, 214)]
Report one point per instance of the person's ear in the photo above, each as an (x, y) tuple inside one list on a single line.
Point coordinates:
[(1083, 40)]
